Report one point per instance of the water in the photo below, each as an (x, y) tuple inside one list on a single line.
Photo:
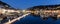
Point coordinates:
[(30, 19)]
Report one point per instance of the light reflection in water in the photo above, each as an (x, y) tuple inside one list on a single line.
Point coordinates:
[(30, 19)]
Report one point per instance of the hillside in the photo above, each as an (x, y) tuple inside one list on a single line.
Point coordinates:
[(55, 7)]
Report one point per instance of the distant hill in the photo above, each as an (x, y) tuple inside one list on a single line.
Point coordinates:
[(6, 6), (3, 3), (45, 7)]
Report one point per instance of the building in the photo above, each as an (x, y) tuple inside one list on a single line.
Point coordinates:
[(45, 11)]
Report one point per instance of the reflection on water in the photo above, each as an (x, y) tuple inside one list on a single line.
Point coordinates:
[(30, 19)]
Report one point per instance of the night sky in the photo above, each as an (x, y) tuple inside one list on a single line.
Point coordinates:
[(23, 4)]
